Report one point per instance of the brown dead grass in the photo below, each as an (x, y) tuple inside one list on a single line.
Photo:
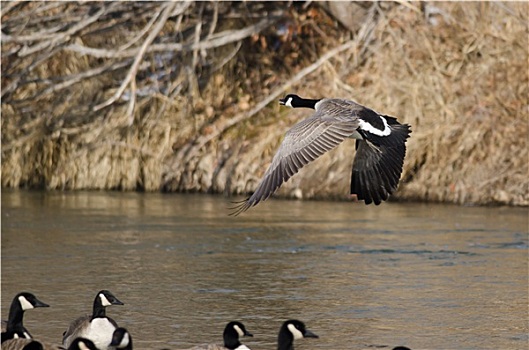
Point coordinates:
[(457, 72), (460, 79)]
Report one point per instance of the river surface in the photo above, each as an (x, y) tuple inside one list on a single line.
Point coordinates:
[(361, 277)]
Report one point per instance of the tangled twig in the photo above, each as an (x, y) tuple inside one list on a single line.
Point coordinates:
[(131, 76)]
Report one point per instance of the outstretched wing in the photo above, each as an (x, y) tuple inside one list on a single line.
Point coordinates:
[(302, 144), (378, 163)]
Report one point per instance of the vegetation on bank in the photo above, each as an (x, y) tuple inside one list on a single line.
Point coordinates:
[(183, 96)]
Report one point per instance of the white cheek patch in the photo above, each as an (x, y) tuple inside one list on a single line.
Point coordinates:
[(369, 128), (124, 342), (104, 300), (295, 332), (26, 335), (239, 330), (289, 102), (82, 345), (24, 303), (15, 336)]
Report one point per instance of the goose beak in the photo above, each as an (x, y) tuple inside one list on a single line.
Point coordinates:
[(39, 303), (282, 101), (309, 334), (248, 334), (116, 302)]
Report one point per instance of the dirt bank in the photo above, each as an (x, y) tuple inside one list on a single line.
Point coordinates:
[(182, 96)]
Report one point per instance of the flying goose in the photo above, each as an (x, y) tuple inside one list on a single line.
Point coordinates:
[(96, 327), (121, 339), (380, 148), (292, 330), (15, 326), (232, 332)]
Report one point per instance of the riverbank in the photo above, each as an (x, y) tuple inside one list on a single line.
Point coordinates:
[(182, 97)]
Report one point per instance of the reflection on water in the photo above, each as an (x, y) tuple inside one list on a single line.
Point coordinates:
[(426, 276)]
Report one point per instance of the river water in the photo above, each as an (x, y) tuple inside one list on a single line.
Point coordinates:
[(361, 277)]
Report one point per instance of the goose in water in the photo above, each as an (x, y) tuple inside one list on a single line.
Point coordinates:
[(97, 327), (15, 325), (292, 330), (32, 344), (232, 332)]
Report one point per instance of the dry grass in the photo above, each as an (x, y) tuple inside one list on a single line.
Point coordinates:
[(457, 72), (460, 79), (463, 85)]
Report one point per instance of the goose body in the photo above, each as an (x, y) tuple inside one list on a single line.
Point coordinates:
[(32, 344), (380, 148), (231, 334), (21, 344), (15, 326), (97, 327), (292, 330)]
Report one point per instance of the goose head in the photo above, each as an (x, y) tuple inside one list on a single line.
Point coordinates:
[(82, 344), (292, 330), (290, 100), (103, 299), (28, 301), (15, 325), (121, 339), (232, 332)]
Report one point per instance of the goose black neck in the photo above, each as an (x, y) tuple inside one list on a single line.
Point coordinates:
[(99, 310), (305, 103), (231, 338), (285, 341), (231, 343), (16, 315)]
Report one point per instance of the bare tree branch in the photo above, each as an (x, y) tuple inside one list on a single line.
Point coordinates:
[(134, 68), (220, 39), (203, 140), (62, 37), (77, 78)]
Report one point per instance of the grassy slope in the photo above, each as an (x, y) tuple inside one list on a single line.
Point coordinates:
[(459, 76)]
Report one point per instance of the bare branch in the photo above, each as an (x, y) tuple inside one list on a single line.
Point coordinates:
[(77, 78), (220, 39), (8, 6), (62, 37), (176, 12), (134, 68), (203, 140)]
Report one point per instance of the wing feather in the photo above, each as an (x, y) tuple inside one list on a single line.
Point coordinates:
[(75, 329), (377, 167), (303, 143)]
